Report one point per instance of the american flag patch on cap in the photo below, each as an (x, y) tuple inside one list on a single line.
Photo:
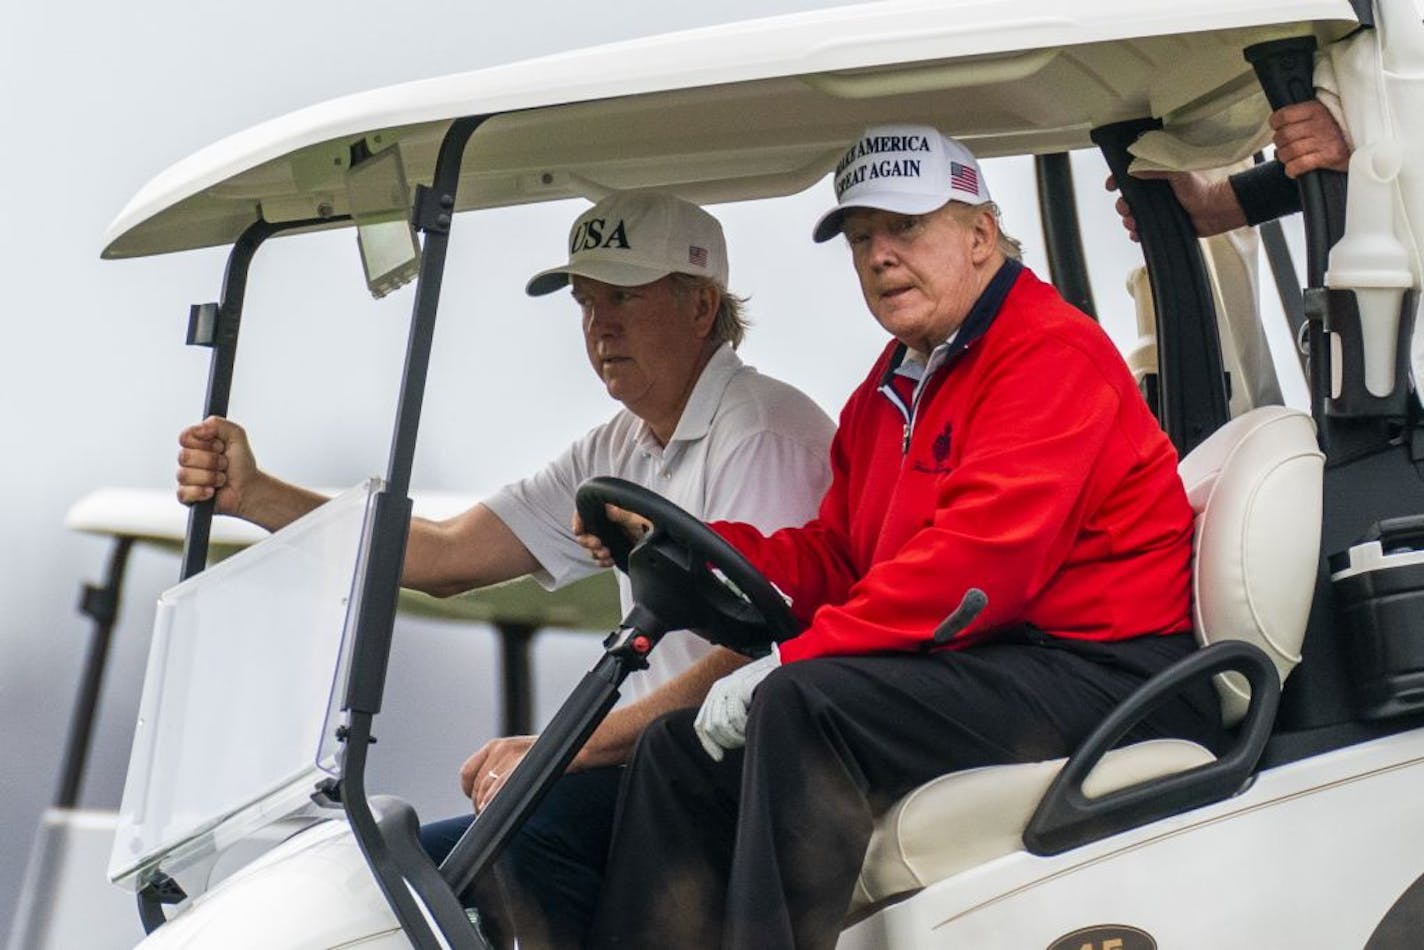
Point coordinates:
[(697, 255), (963, 177)]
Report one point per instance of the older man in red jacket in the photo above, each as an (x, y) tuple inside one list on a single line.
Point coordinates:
[(998, 443)]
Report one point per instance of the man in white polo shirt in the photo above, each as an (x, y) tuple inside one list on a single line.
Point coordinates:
[(649, 272)]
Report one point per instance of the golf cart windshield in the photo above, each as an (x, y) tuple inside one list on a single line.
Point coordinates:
[(240, 702)]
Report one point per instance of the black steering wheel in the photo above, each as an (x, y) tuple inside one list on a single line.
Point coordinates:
[(672, 571)]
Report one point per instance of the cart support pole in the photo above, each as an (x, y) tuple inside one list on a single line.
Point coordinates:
[(100, 604), (524, 789), (399, 870), (514, 643), (1062, 237), (1286, 71), (1193, 381), (215, 325)]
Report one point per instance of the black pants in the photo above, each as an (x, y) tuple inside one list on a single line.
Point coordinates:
[(762, 849), (545, 886)]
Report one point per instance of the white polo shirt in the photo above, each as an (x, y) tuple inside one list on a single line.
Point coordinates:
[(747, 448)]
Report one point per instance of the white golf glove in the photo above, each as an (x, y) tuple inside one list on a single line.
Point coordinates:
[(721, 723)]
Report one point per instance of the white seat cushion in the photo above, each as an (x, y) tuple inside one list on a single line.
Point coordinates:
[(1255, 485), (966, 818)]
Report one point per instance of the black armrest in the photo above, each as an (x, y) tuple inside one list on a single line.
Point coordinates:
[(1066, 818)]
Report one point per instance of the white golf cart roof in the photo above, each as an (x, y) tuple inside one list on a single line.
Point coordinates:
[(745, 110)]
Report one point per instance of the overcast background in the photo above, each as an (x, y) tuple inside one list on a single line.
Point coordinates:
[(95, 380)]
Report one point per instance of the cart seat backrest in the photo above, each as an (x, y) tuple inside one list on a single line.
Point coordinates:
[(1255, 485)]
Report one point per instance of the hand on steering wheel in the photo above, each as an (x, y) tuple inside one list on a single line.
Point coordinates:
[(634, 528), (683, 574)]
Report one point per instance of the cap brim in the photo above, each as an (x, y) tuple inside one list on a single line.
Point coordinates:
[(830, 223), (618, 273)]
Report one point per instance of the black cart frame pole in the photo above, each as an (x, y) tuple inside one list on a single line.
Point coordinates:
[(101, 604), (514, 642), (216, 326), (396, 869), (1286, 71), (1062, 236), (548, 758), (1192, 377)]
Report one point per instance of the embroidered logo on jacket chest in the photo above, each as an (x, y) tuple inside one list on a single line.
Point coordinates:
[(938, 462)]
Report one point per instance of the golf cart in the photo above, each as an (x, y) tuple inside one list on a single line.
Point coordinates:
[(1307, 528)]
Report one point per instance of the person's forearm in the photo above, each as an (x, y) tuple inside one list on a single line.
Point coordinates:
[(430, 554), (273, 504), (473, 549), (442, 558), (612, 742)]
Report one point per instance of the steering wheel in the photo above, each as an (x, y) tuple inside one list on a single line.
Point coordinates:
[(672, 571)]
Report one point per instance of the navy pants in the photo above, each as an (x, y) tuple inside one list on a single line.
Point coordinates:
[(761, 850), (547, 882)]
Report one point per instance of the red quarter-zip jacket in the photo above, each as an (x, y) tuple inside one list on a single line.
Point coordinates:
[(1033, 471)]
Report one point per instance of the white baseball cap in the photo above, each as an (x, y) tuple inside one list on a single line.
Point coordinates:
[(633, 238), (908, 169)]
